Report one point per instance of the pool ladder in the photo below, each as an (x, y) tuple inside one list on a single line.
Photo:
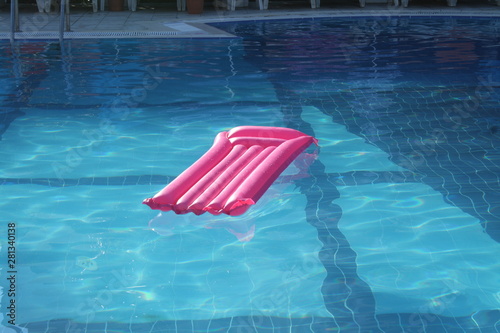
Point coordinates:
[(64, 22)]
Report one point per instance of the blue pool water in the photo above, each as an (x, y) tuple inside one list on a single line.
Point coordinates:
[(396, 228)]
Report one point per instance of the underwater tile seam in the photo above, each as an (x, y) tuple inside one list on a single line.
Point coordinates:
[(353, 178)]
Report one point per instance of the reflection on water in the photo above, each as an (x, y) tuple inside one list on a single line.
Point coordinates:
[(168, 224), (243, 226)]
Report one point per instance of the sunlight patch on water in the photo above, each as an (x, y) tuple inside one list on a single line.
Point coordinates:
[(342, 151), (112, 261)]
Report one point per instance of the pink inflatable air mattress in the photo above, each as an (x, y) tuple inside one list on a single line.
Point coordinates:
[(234, 173)]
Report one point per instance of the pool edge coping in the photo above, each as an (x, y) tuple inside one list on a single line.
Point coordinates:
[(157, 27)]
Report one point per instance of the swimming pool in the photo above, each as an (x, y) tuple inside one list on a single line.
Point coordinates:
[(395, 229)]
